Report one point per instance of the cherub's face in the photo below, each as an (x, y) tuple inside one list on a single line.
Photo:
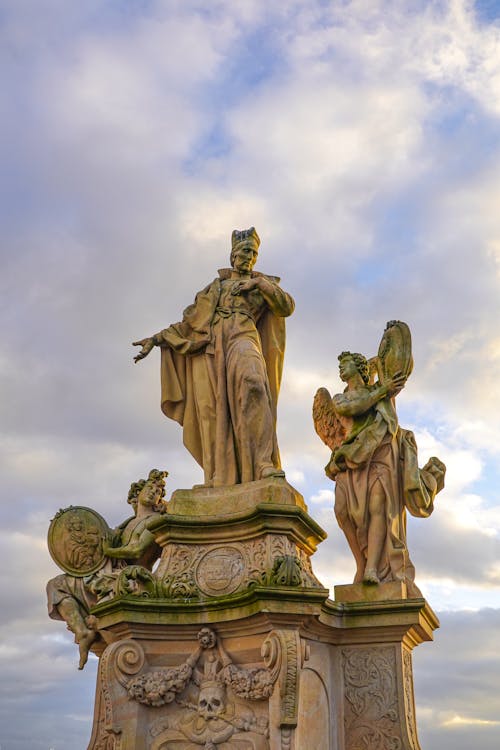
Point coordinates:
[(347, 368), (150, 494)]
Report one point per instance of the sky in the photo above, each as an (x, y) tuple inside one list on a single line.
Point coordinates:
[(361, 138)]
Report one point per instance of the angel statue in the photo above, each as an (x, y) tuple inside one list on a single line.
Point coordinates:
[(99, 562), (374, 460)]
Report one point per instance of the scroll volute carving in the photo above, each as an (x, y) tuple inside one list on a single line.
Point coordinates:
[(119, 662), (284, 653)]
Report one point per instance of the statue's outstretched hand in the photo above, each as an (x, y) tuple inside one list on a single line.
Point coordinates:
[(147, 344)]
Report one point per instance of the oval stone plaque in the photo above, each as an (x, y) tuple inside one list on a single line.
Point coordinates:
[(394, 352), (75, 540), (220, 571)]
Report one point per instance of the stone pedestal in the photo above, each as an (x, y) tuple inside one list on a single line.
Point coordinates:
[(233, 644)]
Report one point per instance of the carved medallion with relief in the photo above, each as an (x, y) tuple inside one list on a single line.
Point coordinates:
[(220, 571)]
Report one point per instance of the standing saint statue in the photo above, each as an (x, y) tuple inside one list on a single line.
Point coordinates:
[(374, 460), (221, 369)]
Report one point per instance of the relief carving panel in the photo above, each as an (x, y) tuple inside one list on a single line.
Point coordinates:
[(371, 716), (220, 571), (203, 570), (207, 701)]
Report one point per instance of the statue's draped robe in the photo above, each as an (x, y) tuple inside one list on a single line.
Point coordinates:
[(221, 369), (377, 449)]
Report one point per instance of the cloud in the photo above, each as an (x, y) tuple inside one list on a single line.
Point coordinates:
[(462, 706), (361, 138)]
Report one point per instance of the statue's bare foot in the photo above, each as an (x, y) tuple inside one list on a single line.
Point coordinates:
[(371, 576), (84, 642), (271, 471), (360, 574)]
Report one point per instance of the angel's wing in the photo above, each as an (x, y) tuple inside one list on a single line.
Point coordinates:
[(326, 422)]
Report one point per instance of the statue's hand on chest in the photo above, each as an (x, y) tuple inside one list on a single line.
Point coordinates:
[(241, 294)]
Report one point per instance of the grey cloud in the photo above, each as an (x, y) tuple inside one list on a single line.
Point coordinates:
[(44, 701), (466, 658), (115, 215), (461, 554)]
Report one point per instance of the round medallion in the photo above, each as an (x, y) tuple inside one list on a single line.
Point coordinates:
[(75, 540), (220, 571)]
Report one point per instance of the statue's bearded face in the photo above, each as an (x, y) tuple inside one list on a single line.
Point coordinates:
[(244, 256)]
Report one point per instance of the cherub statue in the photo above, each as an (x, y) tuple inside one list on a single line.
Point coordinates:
[(92, 555), (374, 460)]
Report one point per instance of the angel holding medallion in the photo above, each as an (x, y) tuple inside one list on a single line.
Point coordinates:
[(374, 460), (99, 562)]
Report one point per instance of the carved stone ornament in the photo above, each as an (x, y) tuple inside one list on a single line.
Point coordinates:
[(135, 580), (220, 571), (287, 571), (198, 571), (284, 654), (411, 721), (158, 687), (371, 714), (75, 540), (118, 662), (205, 700)]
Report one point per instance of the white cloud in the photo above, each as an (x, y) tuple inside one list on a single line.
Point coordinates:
[(361, 139), (461, 721), (323, 496)]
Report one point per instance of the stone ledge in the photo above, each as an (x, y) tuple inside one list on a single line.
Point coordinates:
[(368, 592), (225, 501), (127, 614), (412, 620), (245, 523)]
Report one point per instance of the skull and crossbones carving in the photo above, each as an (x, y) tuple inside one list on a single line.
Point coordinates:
[(211, 699)]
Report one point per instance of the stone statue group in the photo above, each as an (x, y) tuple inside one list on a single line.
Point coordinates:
[(221, 368)]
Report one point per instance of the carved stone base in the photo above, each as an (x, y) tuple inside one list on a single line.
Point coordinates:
[(233, 644), (221, 541), (367, 592)]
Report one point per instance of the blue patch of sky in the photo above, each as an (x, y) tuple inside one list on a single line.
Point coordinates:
[(414, 417), (213, 144), (458, 141), (460, 131), (396, 222), (117, 14), (488, 483), (487, 11), (371, 272), (253, 60)]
